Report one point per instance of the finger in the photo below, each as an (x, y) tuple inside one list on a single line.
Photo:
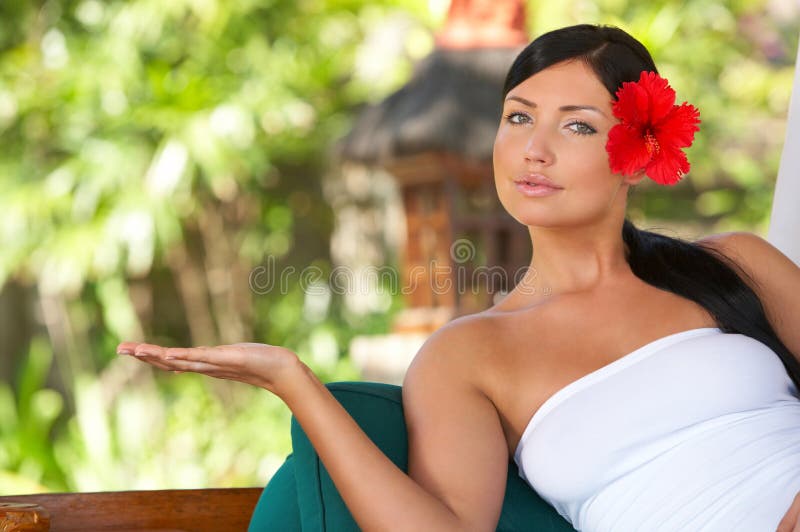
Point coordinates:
[(250, 344), (126, 348), (155, 362), (151, 350), (158, 365), (152, 354), (193, 366), (198, 354), (162, 363), (210, 355)]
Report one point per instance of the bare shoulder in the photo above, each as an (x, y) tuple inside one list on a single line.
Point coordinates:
[(759, 259), (732, 245), (455, 346), (771, 274), (738, 245), (450, 359)]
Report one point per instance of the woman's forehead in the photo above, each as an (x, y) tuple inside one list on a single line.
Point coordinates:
[(567, 83)]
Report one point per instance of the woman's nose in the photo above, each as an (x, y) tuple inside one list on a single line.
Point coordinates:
[(537, 149)]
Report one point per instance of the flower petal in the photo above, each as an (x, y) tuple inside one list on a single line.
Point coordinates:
[(668, 166), (627, 151), (661, 97), (630, 106), (678, 127)]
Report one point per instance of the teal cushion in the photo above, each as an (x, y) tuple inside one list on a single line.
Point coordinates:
[(378, 410), (277, 509)]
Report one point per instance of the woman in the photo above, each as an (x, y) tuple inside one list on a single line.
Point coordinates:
[(664, 392)]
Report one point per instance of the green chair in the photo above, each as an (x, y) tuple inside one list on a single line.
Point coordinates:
[(302, 496)]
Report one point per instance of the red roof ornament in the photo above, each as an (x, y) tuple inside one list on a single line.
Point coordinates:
[(484, 24)]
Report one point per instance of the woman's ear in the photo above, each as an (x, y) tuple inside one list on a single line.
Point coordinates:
[(634, 179)]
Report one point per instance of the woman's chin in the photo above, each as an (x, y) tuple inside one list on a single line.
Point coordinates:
[(539, 220), (536, 219)]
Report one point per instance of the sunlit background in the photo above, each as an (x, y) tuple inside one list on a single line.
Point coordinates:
[(154, 154)]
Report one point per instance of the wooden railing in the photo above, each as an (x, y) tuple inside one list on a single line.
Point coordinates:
[(203, 510)]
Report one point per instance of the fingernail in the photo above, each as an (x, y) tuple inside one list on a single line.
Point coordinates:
[(169, 358), (123, 351)]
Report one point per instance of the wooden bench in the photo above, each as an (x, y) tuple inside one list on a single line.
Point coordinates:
[(202, 510)]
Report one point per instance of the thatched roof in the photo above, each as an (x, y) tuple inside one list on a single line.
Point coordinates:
[(452, 104)]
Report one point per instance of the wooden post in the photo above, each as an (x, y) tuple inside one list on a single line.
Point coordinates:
[(23, 517)]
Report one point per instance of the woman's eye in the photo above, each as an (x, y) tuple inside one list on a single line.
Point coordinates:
[(517, 118), (581, 128)]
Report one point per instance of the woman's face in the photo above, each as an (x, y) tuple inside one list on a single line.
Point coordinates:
[(554, 128)]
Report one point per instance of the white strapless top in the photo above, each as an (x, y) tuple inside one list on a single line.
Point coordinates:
[(698, 430)]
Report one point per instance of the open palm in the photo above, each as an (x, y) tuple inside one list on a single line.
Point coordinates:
[(261, 365)]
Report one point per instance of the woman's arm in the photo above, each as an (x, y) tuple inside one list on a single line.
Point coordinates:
[(457, 453), (775, 279), (790, 521), (456, 445)]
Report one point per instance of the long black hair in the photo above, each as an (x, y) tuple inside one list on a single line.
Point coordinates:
[(691, 270)]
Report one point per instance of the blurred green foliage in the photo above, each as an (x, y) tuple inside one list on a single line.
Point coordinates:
[(152, 154)]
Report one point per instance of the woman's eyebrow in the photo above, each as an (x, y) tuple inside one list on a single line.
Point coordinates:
[(562, 108)]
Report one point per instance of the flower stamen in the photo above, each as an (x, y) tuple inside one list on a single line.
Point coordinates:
[(651, 144)]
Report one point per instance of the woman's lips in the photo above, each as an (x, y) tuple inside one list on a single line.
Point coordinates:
[(532, 190)]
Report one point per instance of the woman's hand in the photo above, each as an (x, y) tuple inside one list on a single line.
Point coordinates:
[(267, 366), (791, 521)]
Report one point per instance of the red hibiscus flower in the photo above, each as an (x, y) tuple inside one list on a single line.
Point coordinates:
[(652, 130)]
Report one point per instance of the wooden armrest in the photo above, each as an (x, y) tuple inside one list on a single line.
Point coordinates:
[(202, 510)]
